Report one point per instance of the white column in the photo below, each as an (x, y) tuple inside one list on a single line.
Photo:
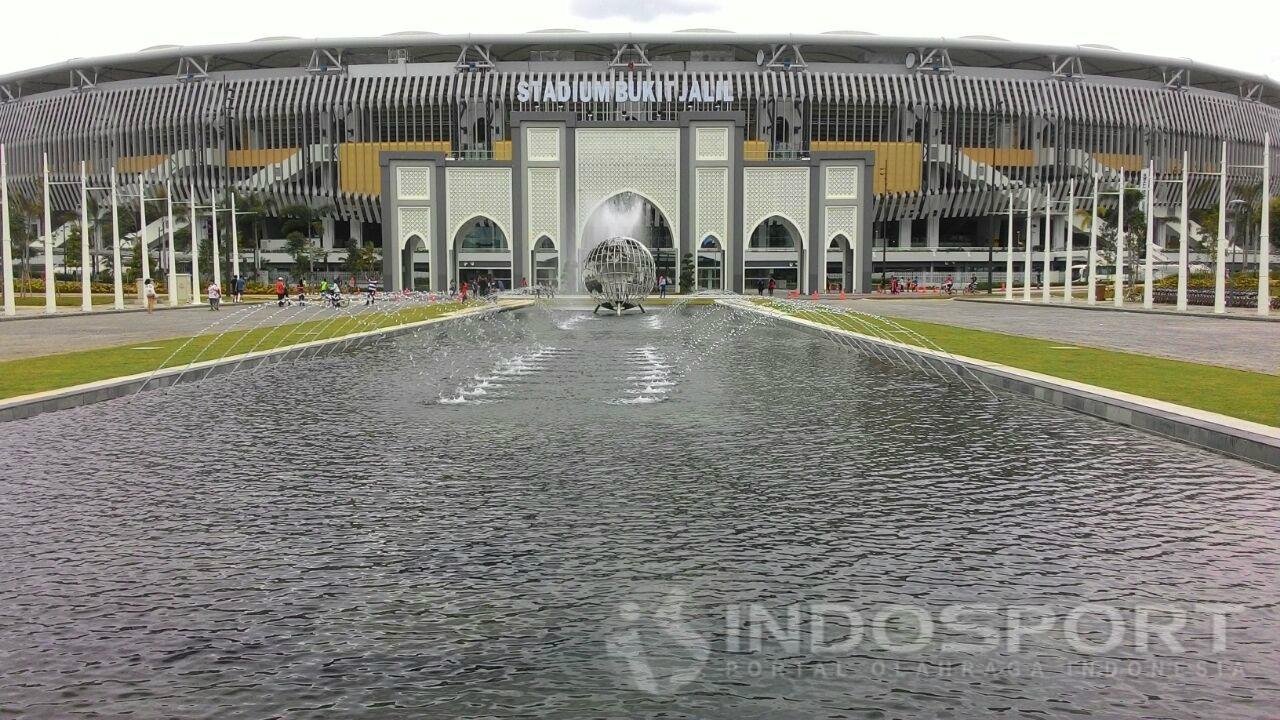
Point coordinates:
[(10, 305), (1118, 300), (235, 239), (1026, 255), (1093, 245), (195, 249), (1071, 219), (86, 292), (1148, 267), (1048, 243), (50, 288), (1008, 258), (142, 229), (1182, 229), (173, 259), (117, 281), (1264, 249), (213, 215), (1220, 261)]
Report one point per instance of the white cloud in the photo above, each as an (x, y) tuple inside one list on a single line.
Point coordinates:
[(640, 10)]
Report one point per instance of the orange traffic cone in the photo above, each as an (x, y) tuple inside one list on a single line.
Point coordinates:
[(815, 296), (841, 294)]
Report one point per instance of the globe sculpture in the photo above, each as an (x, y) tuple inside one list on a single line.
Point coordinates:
[(619, 273)]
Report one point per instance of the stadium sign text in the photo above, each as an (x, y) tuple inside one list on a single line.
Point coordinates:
[(633, 90)]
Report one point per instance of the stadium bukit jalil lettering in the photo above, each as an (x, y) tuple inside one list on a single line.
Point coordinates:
[(633, 90)]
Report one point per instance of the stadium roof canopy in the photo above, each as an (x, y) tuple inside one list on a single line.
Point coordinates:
[(831, 47)]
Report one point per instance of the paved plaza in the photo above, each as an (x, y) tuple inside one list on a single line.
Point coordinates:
[(1218, 341)]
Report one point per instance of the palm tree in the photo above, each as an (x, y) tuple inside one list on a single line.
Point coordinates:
[(251, 210)]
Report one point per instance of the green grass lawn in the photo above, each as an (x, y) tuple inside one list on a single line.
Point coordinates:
[(63, 300), (50, 372), (1238, 393)]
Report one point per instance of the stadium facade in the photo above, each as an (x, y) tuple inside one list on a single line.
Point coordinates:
[(816, 159)]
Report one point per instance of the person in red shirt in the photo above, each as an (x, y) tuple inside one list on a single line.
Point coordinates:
[(281, 291)]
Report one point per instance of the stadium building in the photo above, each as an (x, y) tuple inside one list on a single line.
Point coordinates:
[(821, 160)]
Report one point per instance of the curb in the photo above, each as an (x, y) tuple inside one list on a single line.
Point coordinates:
[(73, 313), (1136, 310), (1242, 439), (25, 406)]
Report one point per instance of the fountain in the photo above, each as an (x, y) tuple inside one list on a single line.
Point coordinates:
[(618, 273)]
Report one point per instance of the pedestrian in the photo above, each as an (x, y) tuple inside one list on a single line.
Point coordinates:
[(239, 288), (215, 296), (149, 294), (773, 285), (662, 285), (370, 290), (324, 287), (302, 292), (760, 286), (462, 291), (281, 291), (351, 283)]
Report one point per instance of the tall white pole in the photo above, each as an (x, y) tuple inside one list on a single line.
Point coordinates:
[(1148, 273), (1008, 258), (1118, 300), (1071, 219), (1093, 246), (1220, 261), (86, 289), (1048, 242), (193, 225), (172, 281), (142, 230), (1264, 249), (1182, 231), (10, 305), (117, 281), (50, 284), (213, 215), (1026, 254), (235, 239)]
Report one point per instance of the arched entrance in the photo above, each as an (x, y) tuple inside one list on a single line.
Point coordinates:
[(545, 263), (774, 250), (839, 258), (415, 264), (481, 250), (633, 215), (710, 264)]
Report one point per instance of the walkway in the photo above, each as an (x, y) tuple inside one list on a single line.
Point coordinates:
[(45, 336), (1231, 343)]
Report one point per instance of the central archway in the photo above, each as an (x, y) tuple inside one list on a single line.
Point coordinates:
[(481, 250), (633, 215), (710, 264), (774, 251), (415, 264), (545, 261)]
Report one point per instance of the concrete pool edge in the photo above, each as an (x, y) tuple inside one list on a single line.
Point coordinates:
[(1243, 439), (30, 405)]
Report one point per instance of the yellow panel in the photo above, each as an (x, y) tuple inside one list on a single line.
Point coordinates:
[(260, 157), (755, 150), (502, 150), (897, 163), (358, 168), (139, 163), (1118, 161), (1001, 157)]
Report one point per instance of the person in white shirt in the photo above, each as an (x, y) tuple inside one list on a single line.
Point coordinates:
[(215, 296), (149, 292)]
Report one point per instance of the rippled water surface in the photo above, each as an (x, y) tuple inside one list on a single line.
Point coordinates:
[(556, 515)]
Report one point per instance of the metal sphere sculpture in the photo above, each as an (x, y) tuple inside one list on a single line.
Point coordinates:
[(619, 273)]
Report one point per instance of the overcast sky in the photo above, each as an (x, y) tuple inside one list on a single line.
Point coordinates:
[(1238, 34)]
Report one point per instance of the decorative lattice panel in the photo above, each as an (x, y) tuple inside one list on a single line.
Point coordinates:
[(472, 192), (639, 160), (544, 203), (543, 144), (782, 191), (415, 221), (711, 204), (842, 182), (712, 144), (413, 183), (842, 220)]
